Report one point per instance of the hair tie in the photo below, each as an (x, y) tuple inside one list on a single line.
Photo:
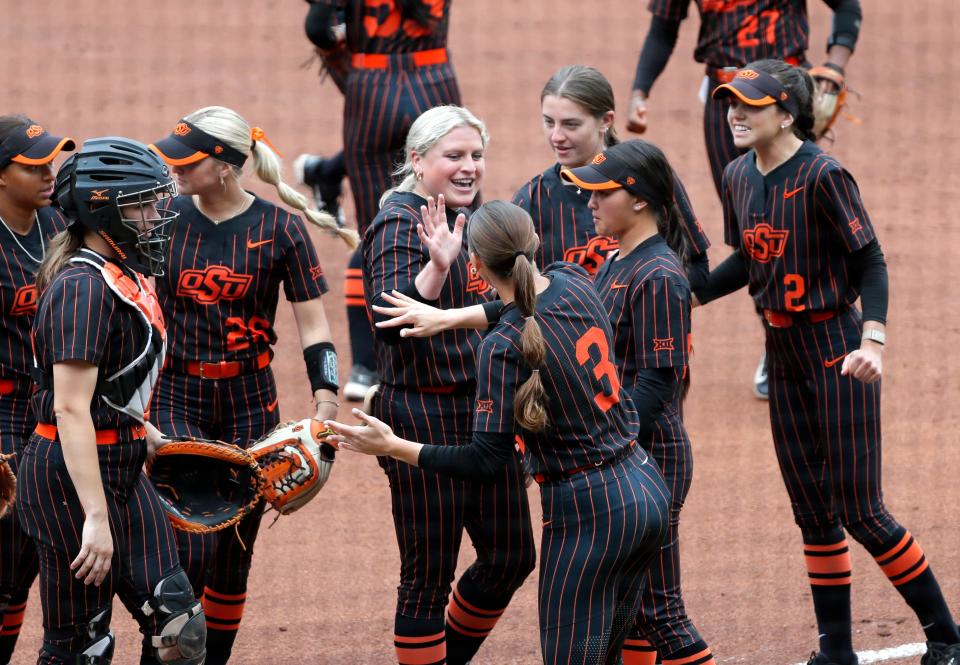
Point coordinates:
[(519, 253), (534, 371), (257, 134), (528, 318)]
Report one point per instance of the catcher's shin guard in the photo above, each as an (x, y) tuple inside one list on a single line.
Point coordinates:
[(181, 637), (99, 651)]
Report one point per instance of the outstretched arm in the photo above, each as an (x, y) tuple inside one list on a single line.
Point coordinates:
[(656, 51)]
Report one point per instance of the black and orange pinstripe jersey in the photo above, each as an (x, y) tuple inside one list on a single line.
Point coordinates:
[(647, 297), (590, 416), (18, 293), (795, 227), (378, 26), (565, 226), (392, 258), (222, 281), (80, 318), (735, 32)]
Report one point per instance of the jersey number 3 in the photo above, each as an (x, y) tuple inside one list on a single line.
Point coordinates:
[(594, 337)]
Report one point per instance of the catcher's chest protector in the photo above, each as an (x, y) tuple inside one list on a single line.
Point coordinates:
[(129, 389)]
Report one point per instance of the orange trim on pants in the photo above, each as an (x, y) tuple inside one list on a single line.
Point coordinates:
[(828, 565), (904, 562), (13, 619), (638, 652), (470, 620)]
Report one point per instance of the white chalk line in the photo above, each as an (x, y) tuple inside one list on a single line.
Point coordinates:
[(902, 651)]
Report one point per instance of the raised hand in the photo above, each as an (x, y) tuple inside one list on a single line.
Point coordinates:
[(443, 243)]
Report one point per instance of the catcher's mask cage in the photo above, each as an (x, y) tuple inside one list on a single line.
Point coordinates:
[(118, 188)]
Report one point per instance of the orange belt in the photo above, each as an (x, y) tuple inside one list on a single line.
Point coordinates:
[(105, 437), (226, 369), (436, 56), (727, 74), (542, 478), (6, 386), (786, 319)]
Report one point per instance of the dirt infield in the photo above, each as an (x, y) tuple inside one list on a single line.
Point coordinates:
[(323, 583)]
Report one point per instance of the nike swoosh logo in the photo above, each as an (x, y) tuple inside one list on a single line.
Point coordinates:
[(618, 286), (831, 363), (792, 193), (254, 245), (272, 406)]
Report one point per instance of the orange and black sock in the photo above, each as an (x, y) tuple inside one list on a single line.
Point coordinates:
[(902, 560), (638, 652), (358, 320), (419, 641), (11, 620), (697, 653), (471, 616), (223, 613), (830, 572)]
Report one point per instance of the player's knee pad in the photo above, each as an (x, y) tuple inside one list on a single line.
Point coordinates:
[(181, 636), (99, 650)]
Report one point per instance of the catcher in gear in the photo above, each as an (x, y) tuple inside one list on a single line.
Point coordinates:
[(207, 485)]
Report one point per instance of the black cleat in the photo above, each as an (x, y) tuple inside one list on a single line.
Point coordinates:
[(327, 192), (820, 659), (761, 380), (939, 653)]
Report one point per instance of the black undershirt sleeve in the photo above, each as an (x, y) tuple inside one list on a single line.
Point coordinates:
[(656, 51), (726, 278), (480, 460), (868, 271), (655, 387), (847, 15), (698, 270), (319, 26)]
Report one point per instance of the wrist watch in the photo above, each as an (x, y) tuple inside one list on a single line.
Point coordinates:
[(875, 335)]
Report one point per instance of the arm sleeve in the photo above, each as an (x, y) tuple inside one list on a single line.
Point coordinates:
[(393, 257), (691, 225), (656, 51), (847, 15), (726, 278), (302, 274), (868, 270), (480, 460), (698, 270), (318, 25), (654, 388)]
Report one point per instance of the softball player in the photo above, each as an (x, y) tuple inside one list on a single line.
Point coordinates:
[(99, 343), (578, 113), (549, 387), (400, 68), (647, 296), (427, 393), (229, 254), (29, 223), (732, 33), (807, 250)]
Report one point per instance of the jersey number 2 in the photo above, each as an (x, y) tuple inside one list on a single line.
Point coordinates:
[(594, 337), (748, 35), (796, 290)]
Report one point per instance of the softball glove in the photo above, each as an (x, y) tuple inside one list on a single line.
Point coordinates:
[(205, 485), (295, 460), (827, 105), (8, 485)]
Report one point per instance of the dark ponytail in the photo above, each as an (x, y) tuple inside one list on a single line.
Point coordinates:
[(798, 83), (502, 235), (417, 11)]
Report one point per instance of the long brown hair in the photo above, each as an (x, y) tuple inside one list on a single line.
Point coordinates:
[(61, 248), (501, 234)]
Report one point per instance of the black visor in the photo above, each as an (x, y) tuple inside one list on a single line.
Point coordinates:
[(757, 88), (33, 145), (188, 144)]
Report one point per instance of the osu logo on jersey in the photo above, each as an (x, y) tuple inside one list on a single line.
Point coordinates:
[(212, 285), (24, 301), (476, 283), (764, 243), (591, 255)]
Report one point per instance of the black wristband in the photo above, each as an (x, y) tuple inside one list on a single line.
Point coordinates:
[(321, 361), (835, 67)]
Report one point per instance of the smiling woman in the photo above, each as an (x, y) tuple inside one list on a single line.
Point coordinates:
[(29, 224)]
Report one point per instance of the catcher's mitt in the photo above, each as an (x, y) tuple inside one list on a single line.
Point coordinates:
[(295, 460), (204, 485), (8, 485), (827, 105)]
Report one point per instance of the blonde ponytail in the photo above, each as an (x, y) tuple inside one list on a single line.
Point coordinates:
[(61, 248)]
